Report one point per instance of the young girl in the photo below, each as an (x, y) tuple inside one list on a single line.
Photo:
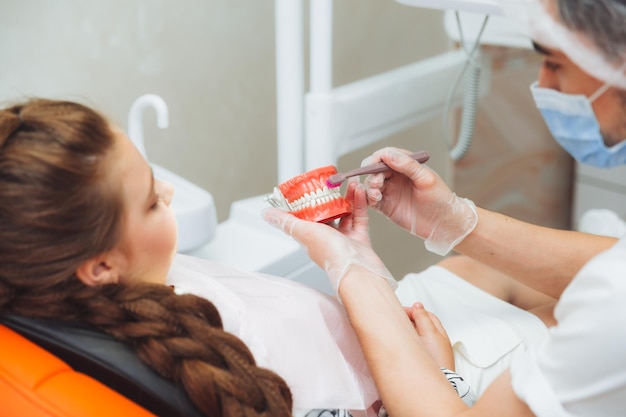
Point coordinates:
[(87, 235)]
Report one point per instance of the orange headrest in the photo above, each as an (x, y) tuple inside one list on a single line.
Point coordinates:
[(35, 383)]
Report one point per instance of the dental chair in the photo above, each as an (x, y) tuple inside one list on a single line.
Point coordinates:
[(53, 369)]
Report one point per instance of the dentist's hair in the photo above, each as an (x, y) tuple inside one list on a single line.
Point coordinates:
[(602, 21), (56, 211)]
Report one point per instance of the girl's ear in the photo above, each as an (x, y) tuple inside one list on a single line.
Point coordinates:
[(101, 269)]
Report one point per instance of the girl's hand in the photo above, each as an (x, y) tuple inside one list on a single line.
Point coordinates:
[(432, 334)]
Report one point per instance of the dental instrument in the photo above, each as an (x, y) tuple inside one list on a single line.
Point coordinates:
[(337, 179)]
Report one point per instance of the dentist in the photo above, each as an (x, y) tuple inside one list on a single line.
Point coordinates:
[(579, 368)]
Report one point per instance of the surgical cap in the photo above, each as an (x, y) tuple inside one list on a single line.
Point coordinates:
[(597, 44)]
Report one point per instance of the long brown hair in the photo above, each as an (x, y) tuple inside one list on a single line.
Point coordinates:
[(56, 211)]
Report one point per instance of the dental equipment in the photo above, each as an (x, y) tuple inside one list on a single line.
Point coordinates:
[(471, 69), (317, 127), (135, 125), (334, 121), (193, 206), (337, 179), (491, 7)]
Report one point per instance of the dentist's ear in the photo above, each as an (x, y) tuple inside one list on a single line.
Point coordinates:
[(100, 269)]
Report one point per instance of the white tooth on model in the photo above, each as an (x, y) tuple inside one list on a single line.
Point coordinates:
[(313, 198)]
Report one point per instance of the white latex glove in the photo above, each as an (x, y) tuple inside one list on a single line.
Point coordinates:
[(336, 249), (416, 198)]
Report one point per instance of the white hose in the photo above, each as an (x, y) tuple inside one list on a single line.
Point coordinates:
[(468, 120), (471, 70)]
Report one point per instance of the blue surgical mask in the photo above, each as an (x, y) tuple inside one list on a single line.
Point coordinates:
[(574, 125)]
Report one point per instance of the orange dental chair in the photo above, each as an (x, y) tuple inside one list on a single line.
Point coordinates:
[(52, 369)]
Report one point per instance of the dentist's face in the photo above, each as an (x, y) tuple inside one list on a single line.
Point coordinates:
[(559, 73)]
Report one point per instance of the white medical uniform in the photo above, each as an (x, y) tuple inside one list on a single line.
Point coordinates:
[(486, 332), (580, 369), (301, 334)]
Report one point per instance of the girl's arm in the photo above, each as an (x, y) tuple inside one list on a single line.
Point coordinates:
[(409, 381)]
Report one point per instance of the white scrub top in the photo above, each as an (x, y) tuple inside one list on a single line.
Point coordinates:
[(300, 333), (580, 368), (486, 332)]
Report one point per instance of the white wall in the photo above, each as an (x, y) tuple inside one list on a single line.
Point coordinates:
[(213, 63)]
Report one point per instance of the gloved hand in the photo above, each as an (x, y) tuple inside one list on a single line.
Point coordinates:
[(416, 198), (336, 249)]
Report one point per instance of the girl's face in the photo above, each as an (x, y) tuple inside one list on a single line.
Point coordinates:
[(149, 231)]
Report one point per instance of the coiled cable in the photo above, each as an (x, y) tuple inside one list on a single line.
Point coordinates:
[(471, 69)]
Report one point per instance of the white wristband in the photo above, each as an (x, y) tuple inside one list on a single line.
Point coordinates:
[(461, 387)]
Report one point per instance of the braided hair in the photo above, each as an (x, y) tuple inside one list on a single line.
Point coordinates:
[(56, 212)]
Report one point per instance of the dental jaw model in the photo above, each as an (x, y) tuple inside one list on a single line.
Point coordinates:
[(308, 196), (315, 195)]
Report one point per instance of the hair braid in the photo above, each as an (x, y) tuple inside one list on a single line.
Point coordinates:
[(180, 337)]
